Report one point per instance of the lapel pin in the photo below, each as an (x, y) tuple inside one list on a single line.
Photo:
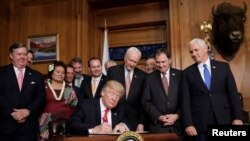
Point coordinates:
[(214, 67)]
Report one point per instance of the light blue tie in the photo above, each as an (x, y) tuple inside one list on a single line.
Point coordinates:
[(207, 76)]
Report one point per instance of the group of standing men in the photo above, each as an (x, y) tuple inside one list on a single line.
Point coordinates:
[(166, 100)]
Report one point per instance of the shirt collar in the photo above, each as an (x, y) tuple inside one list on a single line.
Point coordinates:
[(97, 78), (16, 69), (103, 108), (207, 62), (166, 72)]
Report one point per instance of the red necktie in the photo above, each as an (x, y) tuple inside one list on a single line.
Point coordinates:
[(165, 82), (20, 78), (105, 116)]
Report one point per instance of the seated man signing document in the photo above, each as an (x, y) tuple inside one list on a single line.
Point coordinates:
[(99, 116)]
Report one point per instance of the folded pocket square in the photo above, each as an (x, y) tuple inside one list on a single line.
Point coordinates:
[(33, 82)]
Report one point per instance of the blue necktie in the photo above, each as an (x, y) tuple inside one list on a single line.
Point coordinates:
[(207, 76)]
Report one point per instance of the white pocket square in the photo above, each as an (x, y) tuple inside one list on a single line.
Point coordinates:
[(33, 82)]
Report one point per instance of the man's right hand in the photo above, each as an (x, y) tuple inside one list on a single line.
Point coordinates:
[(191, 131), (102, 129)]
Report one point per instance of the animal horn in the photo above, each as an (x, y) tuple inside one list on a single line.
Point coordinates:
[(245, 7), (214, 11)]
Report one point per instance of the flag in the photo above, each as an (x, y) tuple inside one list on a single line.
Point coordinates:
[(105, 51)]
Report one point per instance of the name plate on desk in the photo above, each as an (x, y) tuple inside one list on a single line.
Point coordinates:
[(130, 136)]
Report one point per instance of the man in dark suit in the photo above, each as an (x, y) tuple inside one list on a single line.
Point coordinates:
[(209, 93), (162, 103), (78, 67), (69, 76), (132, 79), (91, 86), (99, 116), (22, 96)]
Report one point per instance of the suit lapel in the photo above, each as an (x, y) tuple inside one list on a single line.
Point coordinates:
[(213, 73), (133, 83), (122, 74), (13, 77), (100, 85), (172, 80), (98, 111), (27, 77), (89, 87), (114, 116), (198, 77), (158, 77)]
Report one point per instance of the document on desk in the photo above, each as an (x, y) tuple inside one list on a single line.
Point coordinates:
[(111, 133), (117, 133)]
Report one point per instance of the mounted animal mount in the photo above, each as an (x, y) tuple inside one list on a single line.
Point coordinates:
[(228, 29)]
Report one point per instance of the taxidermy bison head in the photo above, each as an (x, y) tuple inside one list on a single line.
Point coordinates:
[(228, 29)]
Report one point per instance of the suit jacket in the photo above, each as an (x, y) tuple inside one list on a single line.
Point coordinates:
[(219, 105), (88, 115), (156, 102), (86, 88), (32, 97), (74, 79), (77, 91), (133, 108)]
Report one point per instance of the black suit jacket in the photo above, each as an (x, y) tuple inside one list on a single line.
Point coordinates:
[(83, 75), (32, 97), (86, 88), (156, 102), (133, 108), (201, 106), (88, 115)]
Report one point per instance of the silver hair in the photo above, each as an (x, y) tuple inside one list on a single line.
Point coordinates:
[(199, 42), (133, 50)]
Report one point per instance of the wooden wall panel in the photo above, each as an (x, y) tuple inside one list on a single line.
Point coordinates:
[(132, 25), (52, 18), (191, 14), (129, 15), (4, 17), (68, 18), (81, 29), (137, 36)]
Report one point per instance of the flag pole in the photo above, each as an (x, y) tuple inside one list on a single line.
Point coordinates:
[(105, 51)]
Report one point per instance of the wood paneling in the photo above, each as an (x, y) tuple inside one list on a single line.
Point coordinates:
[(80, 28), (137, 36), (133, 25), (4, 17), (193, 14)]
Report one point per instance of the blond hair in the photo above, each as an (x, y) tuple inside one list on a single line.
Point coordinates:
[(114, 85)]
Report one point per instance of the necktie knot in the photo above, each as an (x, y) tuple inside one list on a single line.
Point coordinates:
[(205, 66)]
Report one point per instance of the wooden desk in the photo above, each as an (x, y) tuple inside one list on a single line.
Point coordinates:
[(146, 137)]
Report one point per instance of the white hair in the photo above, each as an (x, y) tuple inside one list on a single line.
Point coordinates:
[(202, 43), (133, 50)]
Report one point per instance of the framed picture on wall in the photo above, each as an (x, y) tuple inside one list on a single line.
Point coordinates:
[(45, 47)]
